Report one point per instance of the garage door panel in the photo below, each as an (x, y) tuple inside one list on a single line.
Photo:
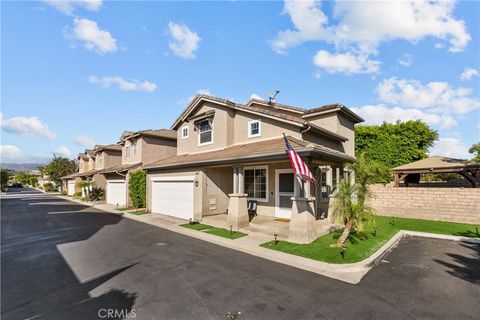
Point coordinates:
[(173, 198), (71, 188), (117, 193)]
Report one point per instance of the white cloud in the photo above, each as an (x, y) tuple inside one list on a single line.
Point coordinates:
[(406, 60), (450, 147), (94, 38), (63, 151), (413, 93), (345, 63), (184, 42), (357, 28), (368, 23), (468, 74), (84, 140), (255, 96), (68, 6), (132, 85), (26, 125), (10, 153), (377, 114)]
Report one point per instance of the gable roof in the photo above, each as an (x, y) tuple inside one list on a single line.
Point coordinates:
[(280, 112), (109, 147), (158, 133), (255, 151)]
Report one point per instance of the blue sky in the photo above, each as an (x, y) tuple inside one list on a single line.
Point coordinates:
[(79, 73)]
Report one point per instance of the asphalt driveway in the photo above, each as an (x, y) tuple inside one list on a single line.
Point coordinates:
[(62, 260)]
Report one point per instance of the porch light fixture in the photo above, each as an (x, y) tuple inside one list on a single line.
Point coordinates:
[(196, 183)]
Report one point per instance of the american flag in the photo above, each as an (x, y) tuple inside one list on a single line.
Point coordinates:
[(298, 165)]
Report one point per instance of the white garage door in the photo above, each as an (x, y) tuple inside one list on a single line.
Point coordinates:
[(71, 187), (173, 196), (116, 192)]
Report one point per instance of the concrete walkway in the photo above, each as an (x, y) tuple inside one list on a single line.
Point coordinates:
[(350, 273)]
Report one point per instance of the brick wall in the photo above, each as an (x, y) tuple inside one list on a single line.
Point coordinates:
[(447, 204)]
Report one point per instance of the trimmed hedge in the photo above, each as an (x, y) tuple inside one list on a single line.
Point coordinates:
[(137, 187)]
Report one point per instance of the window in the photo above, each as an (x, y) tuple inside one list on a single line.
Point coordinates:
[(134, 147), (185, 132), (127, 152), (204, 132), (254, 129), (256, 183)]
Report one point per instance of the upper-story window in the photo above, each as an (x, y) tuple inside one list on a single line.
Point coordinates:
[(127, 151), (205, 135), (134, 147), (185, 132), (254, 128)]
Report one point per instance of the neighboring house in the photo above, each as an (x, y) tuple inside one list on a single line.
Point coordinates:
[(70, 183), (228, 154), (137, 149), (90, 162)]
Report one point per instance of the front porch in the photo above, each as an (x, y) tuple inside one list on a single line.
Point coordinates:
[(285, 205)]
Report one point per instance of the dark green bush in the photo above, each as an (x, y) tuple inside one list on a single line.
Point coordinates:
[(96, 194), (138, 188)]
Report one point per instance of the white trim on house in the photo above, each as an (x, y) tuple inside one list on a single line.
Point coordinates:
[(188, 131), (266, 182), (211, 134), (277, 192), (259, 134)]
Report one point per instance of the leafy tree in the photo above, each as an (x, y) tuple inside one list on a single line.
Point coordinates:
[(58, 167), (394, 144), (23, 177), (475, 150), (5, 176), (138, 188), (350, 203)]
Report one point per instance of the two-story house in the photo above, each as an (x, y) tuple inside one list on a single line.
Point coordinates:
[(137, 149), (229, 154), (90, 162), (86, 167)]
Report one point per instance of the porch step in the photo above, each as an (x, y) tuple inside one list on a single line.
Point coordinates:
[(267, 225)]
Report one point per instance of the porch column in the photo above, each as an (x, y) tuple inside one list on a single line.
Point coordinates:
[(235, 180), (302, 221), (241, 181), (237, 206)]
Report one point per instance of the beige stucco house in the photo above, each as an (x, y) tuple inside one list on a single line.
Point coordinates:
[(229, 154), (137, 149), (90, 162)]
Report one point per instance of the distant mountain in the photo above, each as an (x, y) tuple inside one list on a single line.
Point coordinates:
[(20, 166)]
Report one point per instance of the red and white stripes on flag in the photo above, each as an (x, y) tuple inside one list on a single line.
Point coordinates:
[(298, 165)]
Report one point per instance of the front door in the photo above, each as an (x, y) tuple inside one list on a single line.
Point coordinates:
[(284, 191)]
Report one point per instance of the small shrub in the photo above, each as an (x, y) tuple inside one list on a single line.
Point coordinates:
[(48, 187), (138, 188), (96, 194), (63, 193), (77, 195)]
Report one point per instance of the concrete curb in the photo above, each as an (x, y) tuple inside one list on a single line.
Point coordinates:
[(350, 273)]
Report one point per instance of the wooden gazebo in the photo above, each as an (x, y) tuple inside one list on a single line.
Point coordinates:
[(410, 172)]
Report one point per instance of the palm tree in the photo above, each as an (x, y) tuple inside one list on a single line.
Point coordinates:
[(350, 200)]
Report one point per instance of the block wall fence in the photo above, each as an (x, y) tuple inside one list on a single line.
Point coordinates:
[(446, 204)]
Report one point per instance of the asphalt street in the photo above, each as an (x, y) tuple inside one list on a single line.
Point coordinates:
[(62, 260)]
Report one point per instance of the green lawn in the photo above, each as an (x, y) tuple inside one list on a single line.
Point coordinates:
[(360, 247), (215, 231)]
